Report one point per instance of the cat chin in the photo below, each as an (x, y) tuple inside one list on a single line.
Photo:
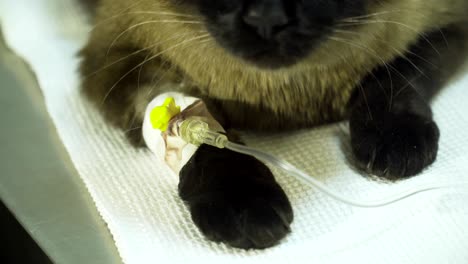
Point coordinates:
[(268, 62), (265, 62)]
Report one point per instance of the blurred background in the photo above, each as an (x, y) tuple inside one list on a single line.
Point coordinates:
[(46, 213)]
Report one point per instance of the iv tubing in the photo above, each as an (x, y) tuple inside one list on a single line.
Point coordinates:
[(198, 132), (302, 176)]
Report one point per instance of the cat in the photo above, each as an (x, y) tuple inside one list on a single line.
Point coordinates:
[(269, 65)]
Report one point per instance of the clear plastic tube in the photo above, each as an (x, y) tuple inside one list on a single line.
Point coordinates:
[(309, 180), (197, 132)]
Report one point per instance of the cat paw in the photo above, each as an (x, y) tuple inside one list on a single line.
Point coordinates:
[(234, 198), (395, 146)]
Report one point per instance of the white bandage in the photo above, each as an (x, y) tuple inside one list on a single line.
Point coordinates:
[(174, 151)]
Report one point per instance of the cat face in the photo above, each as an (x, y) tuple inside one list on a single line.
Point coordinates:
[(273, 33)]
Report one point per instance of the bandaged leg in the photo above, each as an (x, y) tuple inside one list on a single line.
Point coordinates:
[(161, 127)]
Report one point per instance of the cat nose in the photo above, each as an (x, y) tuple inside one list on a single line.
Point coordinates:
[(267, 17)]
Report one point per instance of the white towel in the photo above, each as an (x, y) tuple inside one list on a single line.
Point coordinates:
[(137, 196)]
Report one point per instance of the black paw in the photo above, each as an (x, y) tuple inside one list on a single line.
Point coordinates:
[(233, 198), (395, 146)]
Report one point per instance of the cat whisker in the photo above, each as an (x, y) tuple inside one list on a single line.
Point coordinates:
[(354, 18), (361, 89), (161, 77), (374, 54), (363, 92), (151, 58), (343, 59), (129, 7), (146, 23), (132, 129), (137, 91), (360, 85), (387, 43), (155, 84), (410, 83), (176, 15), (409, 61), (367, 22), (358, 18), (387, 66), (149, 92), (137, 52), (400, 53)]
